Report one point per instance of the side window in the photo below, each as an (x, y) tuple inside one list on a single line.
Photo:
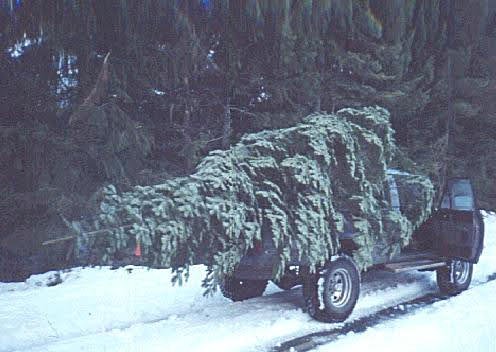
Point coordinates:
[(394, 197), (459, 197), (462, 197)]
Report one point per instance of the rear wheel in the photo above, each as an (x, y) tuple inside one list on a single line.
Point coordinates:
[(331, 295), (239, 290), (455, 277)]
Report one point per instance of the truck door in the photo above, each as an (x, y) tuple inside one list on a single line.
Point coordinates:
[(458, 225)]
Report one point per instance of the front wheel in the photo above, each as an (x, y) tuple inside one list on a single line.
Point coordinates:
[(239, 290), (331, 295), (454, 277)]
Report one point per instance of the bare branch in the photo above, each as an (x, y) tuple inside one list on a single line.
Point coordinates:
[(242, 111), (213, 140), (101, 86)]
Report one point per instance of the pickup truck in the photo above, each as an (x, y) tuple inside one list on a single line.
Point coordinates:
[(450, 242)]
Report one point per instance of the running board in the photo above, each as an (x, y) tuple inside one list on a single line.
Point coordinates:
[(414, 265)]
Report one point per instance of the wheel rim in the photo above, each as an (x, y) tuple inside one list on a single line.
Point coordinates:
[(461, 271), (340, 287)]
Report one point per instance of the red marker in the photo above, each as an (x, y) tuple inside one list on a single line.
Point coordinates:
[(137, 250)]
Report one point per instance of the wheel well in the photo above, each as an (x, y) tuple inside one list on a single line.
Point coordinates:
[(347, 246)]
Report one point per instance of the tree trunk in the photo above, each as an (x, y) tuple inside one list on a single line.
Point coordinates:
[(446, 170), (188, 149), (226, 126)]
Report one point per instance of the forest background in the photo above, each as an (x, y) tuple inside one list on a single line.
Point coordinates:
[(185, 77)]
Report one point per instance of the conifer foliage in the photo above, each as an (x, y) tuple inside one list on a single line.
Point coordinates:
[(293, 184)]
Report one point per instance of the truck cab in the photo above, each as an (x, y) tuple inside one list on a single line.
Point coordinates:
[(453, 235)]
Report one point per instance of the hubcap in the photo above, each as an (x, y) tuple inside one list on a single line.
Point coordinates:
[(460, 271), (340, 287)]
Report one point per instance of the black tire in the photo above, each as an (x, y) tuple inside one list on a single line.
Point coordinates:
[(455, 277), (239, 290), (331, 295)]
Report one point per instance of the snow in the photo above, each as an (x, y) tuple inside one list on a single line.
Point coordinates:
[(463, 323), (138, 309), (158, 92), (67, 77), (18, 49)]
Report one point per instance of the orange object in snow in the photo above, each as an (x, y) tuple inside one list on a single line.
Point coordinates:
[(137, 250)]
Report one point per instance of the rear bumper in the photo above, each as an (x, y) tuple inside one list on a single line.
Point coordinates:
[(262, 266)]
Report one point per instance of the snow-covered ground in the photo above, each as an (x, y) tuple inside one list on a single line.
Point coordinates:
[(463, 323), (137, 309)]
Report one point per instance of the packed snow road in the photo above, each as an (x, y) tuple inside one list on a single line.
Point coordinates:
[(377, 320), (461, 323), (136, 309)]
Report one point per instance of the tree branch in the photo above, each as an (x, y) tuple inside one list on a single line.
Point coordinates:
[(233, 108), (101, 86)]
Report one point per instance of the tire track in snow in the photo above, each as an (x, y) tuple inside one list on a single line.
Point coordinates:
[(69, 337), (311, 341)]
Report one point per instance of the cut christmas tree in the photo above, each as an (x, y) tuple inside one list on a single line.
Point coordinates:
[(294, 184)]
